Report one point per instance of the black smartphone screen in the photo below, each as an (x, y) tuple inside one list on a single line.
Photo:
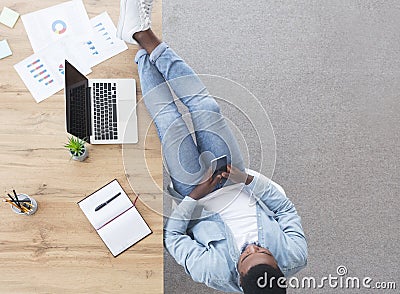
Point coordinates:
[(220, 164)]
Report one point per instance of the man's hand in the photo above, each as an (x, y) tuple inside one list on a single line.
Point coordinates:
[(236, 175), (206, 186)]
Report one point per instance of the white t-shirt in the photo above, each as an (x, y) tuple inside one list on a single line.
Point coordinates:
[(237, 209)]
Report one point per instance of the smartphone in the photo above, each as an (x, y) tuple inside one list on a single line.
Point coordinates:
[(219, 164)]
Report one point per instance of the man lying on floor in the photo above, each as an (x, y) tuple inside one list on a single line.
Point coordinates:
[(248, 234)]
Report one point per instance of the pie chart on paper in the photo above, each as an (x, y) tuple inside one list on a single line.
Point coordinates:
[(61, 69), (59, 27)]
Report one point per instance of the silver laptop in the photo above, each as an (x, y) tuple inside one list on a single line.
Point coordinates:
[(100, 111)]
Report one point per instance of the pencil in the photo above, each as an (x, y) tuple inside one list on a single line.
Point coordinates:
[(27, 203), (26, 206), (22, 208), (16, 206), (11, 197), (25, 209), (16, 197)]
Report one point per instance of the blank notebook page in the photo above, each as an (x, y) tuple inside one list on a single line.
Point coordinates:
[(108, 212), (124, 231)]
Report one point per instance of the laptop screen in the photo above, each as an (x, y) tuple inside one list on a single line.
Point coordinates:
[(77, 98)]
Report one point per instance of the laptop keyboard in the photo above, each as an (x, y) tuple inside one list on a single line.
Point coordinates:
[(105, 111), (78, 112)]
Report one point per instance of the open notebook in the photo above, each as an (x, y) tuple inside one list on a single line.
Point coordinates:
[(117, 221)]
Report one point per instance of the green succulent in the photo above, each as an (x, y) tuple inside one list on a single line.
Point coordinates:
[(76, 146)]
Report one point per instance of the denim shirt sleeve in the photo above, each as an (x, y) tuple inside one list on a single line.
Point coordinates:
[(187, 252), (292, 253), (206, 259)]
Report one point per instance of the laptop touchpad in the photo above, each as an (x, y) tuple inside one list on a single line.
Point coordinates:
[(126, 110)]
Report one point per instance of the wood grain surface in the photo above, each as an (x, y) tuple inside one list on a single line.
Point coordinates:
[(56, 250)]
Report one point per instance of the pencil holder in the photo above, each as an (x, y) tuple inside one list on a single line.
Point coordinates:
[(30, 204)]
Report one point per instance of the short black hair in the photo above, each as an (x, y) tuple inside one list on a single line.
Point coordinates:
[(262, 278)]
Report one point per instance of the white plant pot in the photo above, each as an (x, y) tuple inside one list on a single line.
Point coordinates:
[(81, 157)]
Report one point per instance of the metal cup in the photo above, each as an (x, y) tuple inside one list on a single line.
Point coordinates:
[(31, 209)]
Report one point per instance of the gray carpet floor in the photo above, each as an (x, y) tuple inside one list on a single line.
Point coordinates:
[(328, 74)]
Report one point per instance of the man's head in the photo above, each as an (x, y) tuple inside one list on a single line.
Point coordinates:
[(259, 271)]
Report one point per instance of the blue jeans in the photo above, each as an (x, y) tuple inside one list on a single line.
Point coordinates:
[(185, 160)]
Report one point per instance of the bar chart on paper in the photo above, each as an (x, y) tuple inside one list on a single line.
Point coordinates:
[(104, 44), (102, 30), (39, 72), (61, 69)]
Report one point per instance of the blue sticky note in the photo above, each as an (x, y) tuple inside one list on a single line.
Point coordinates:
[(4, 49)]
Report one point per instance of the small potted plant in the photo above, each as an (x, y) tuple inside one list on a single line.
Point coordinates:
[(77, 148)]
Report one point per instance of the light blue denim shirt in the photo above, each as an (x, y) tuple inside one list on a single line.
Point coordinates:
[(206, 248)]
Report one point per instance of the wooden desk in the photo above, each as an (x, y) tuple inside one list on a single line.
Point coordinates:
[(57, 250)]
